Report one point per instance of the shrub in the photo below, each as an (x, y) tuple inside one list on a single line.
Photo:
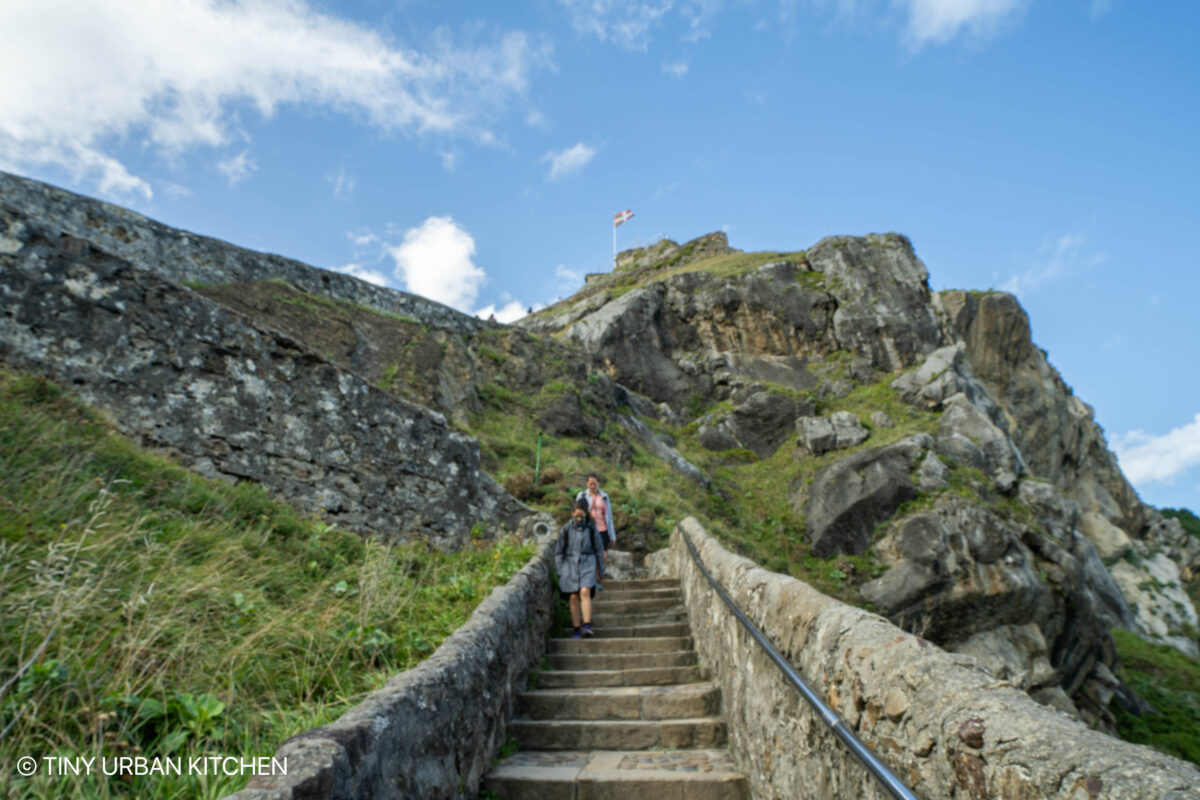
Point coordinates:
[(521, 487)]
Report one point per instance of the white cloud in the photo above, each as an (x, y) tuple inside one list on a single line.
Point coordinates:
[(84, 75), (342, 183), (676, 69), (1063, 257), (435, 260), (570, 160), (568, 280), (626, 23), (939, 21), (237, 168), (363, 274), (449, 159), (511, 311), (1102, 7), (1150, 459)]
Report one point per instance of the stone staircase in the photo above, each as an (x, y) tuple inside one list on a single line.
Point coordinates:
[(624, 715)]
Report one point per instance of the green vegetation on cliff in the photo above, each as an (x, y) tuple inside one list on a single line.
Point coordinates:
[(1189, 521), (1169, 681), (148, 611)]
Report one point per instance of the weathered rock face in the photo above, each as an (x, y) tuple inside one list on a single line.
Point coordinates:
[(761, 424), (960, 570), (967, 578), (850, 497), (941, 721), (969, 437), (883, 297), (699, 334), (184, 257), (1052, 428), (705, 334), (234, 401), (1155, 589)]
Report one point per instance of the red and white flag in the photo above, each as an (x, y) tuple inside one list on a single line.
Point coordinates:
[(623, 216)]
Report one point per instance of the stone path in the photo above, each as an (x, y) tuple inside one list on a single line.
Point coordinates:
[(624, 715)]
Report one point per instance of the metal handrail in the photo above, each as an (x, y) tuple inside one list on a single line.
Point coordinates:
[(890, 782)]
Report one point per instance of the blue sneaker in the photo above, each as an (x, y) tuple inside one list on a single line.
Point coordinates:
[(576, 634), (587, 629)]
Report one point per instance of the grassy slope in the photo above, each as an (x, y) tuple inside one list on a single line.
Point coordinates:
[(186, 616), (1168, 680)]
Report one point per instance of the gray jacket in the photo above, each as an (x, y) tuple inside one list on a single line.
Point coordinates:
[(576, 555)]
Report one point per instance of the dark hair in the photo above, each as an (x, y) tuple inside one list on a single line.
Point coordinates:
[(591, 475), (580, 504)]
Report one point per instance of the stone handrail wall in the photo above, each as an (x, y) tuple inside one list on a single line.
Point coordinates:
[(432, 731), (941, 723), (185, 257)]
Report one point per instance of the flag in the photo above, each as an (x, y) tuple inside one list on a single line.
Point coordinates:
[(624, 216)]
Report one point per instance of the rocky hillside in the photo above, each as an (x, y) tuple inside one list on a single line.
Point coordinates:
[(924, 432), (823, 412)]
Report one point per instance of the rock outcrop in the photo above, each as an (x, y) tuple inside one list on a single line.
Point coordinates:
[(235, 401), (849, 498)]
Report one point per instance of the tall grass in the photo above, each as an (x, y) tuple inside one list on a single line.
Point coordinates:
[(147, 611)]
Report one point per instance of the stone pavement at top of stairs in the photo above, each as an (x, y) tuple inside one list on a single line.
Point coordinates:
[(624, 715)]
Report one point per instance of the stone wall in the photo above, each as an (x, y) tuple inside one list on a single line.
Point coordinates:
[(185, 257), (232, 400), (945, 726), (433, 730)]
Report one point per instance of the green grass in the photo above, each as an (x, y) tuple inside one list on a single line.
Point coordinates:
[(1168, 680), (149, 611), (316, 303)]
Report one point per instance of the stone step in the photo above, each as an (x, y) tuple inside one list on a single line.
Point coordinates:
[(602, 603), (650, 676), (652, 583), (637, 594), (639, 631), (609, 734), (636, 702), (607, 661), (642, 644), (707, 774), (662, 616)]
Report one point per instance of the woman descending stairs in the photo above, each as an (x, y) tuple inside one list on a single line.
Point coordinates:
[(625, 714)]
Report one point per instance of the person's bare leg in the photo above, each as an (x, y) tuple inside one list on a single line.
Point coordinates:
[(573, 602), (585, 600)]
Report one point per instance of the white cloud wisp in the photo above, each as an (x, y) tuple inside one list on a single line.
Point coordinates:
[(364, 274), (1063, 257), (86, 75), (939, 21), (1151, 459), (568, 161)]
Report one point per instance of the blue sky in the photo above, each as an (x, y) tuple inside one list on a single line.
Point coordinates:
[(475, 152)]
